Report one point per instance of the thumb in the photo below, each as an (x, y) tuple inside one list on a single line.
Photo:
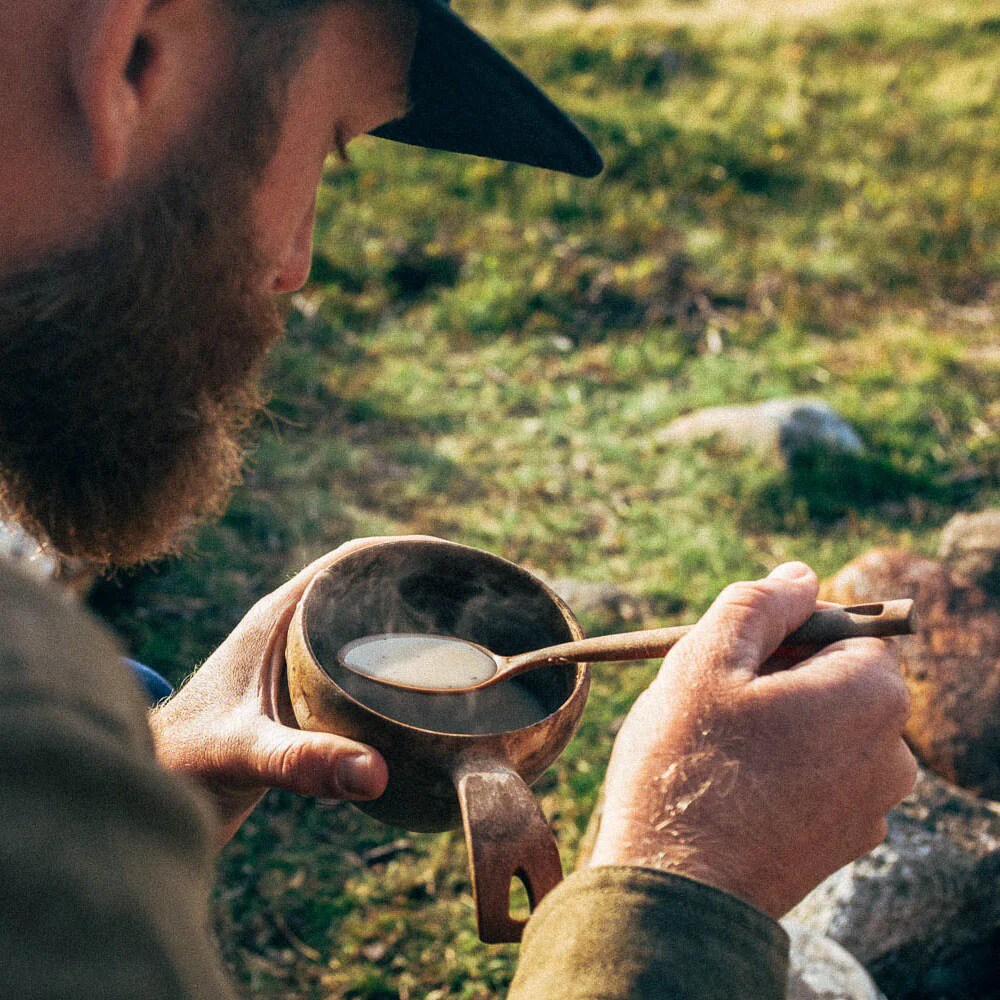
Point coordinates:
[(747, 622), (322, 765)]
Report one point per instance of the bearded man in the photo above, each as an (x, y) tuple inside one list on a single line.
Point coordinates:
[(159, 164)]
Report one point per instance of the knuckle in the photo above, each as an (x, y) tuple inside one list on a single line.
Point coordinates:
[(285, 762), (894, 779), (864, 659), (860, 656), (867, 649), (751, 595), (909, 769), (863, 836), (742, 609), (876, 834), (889, 698), (897, 699)]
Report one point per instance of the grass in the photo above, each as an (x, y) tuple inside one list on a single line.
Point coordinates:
[(798, 203)]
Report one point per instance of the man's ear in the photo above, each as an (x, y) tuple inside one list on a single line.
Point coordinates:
[(113, 65)]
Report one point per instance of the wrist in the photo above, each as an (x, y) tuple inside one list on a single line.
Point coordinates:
[(684, 856), (690, 870), (676, 862)]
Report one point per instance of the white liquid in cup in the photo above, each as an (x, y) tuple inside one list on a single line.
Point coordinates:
[(436, 663)]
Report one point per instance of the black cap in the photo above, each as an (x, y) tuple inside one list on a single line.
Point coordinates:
[(465, 97)]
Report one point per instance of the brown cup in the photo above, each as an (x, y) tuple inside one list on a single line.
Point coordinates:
[(439, 778)]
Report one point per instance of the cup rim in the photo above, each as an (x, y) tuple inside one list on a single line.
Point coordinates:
[(581, 674)]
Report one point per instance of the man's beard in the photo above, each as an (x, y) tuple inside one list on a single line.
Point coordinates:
[(129, 368)]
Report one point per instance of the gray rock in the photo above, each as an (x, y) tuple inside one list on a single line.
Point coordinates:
[(778, 426), (922, 910), (604, 601), (970, 546), (820, 969)]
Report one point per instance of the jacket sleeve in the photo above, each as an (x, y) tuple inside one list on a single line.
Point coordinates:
[(105, 861), (610, 933)]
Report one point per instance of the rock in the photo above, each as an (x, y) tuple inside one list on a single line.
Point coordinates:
[(820, 969), (778, 426), (952, 667), (603, 601), (970, 547), (921, 911)]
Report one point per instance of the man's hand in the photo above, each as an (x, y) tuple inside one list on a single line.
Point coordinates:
[(758, 784), (230, 727)]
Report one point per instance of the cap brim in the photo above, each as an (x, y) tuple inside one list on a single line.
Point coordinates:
[(465, 97)]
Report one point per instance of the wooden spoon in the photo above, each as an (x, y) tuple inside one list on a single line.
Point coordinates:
[(444, 664)]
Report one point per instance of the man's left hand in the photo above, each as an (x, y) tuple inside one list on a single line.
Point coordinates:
[(230, 727)]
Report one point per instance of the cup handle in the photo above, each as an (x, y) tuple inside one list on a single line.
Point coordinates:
[(508, 837)]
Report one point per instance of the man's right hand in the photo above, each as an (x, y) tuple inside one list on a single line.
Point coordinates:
[(759, 784)]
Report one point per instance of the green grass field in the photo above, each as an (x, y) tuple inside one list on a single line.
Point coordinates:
[(799, 198)]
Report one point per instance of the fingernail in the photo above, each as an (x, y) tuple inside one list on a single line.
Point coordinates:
[(789, 571), (356, 775)]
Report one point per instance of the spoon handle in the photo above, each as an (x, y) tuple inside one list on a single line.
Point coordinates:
[(822, 627)]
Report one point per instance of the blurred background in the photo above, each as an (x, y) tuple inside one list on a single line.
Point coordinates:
[(800, 205)]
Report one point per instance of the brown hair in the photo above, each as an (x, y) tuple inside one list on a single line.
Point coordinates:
[(129, 366)]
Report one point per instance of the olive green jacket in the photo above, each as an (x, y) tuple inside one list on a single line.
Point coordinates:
[(106, 861)]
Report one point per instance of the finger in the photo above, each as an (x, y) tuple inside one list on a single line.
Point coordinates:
[(857, 681), (787, 656), (747, 622), (783, 658), (855, 654), (896, 776), (871, 837), (322, 765)]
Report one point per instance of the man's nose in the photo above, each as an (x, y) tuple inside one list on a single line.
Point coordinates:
[(294, 273), (294, 269)]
